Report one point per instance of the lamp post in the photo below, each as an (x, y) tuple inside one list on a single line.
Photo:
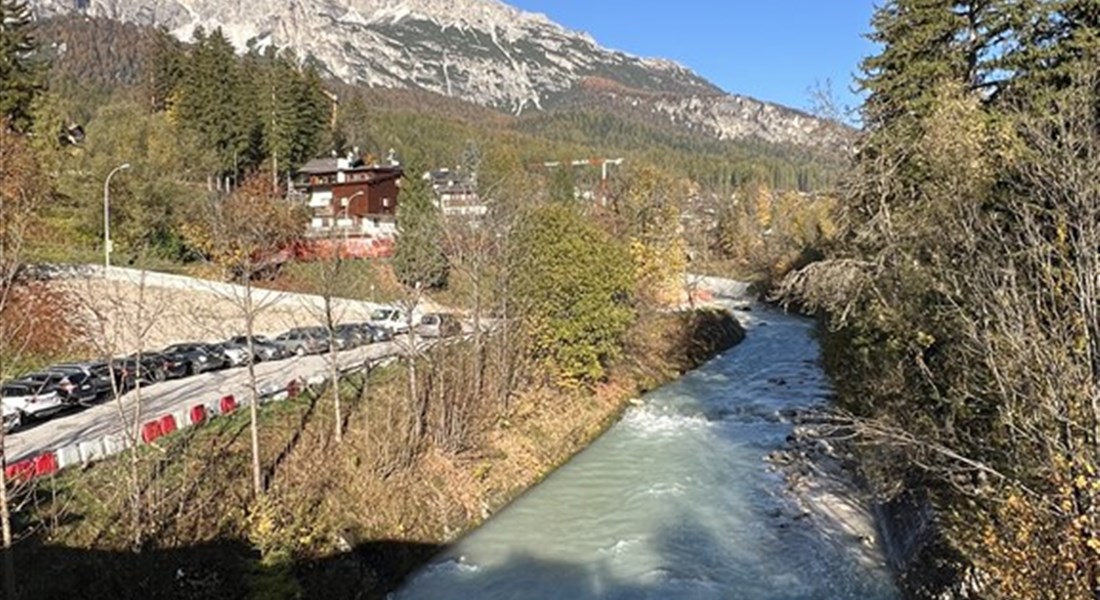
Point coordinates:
[(107, 213), (347, 206)]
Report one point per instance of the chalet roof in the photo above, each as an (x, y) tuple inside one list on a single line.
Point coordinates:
[(321, 165)]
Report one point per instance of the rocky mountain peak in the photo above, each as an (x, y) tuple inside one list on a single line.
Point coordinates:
[(482, 51)]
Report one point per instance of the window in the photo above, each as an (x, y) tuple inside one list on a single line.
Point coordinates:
[(385, 202)]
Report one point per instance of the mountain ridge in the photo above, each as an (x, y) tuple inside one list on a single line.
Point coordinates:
[(483, 51)]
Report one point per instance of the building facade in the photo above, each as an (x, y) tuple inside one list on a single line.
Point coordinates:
[(351, 199)]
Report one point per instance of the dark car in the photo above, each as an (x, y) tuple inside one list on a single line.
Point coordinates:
[(262, 347), (235, 355), (372, 333), (61, 383), (79, 387), (98, 375), (198, 357), (350, 336), (157, 367), (169, 367)]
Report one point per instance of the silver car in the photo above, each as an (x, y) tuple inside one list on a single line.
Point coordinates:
[(438, 325)]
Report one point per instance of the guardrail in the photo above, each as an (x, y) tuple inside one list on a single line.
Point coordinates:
[(84, 453)]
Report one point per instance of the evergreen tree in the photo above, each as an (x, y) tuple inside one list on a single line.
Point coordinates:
[(925, 44), (164, 69), (1057, 47), (418, 257), (214, 103), (20, 75)]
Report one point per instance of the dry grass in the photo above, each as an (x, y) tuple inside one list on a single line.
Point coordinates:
[(369, 490)]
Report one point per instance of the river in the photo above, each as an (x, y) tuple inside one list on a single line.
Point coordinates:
[(676, 500)]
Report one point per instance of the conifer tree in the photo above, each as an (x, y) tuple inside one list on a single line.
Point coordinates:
[(20, 75), (164, 69), (213, 101), (925, 44), (418, 256)]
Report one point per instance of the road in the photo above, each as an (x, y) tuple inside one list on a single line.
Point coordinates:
[(176, 395)]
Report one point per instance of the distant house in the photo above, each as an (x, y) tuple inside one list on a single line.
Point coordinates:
[(456, 193), (350, 198)]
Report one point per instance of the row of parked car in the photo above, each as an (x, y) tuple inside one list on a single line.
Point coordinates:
[(63, 387)]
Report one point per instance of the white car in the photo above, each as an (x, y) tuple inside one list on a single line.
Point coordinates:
[(12, 418), (237, 355), (29, 399), (390, 319)]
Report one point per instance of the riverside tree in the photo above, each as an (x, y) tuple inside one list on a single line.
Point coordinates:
[(573, 286), (962, 295)]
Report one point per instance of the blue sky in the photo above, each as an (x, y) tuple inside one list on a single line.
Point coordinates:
[(774, 50)]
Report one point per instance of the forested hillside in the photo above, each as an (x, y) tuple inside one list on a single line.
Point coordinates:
[(962, 295), (195, 117)]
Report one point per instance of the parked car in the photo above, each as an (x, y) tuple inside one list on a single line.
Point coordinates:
[(13, 419), (374, 333), (235, 355), (99, 374), (351, 336), (131, 373), (74, 388), (170, 367), (30, 399), (438, 325), (196, 356), (153, 367), (85, 383), (263, 347), (391, 319), (302, 341)]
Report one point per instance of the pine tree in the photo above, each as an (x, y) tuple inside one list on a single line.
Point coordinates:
[(418, 257), (1058, 45), (20, 75), (164, 69), (214, 103), (928, 43)]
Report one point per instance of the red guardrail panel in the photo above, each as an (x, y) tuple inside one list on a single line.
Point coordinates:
[(227, 404), (198, 414), (45, 464), (20, 471), (167, 424), (151, 431)]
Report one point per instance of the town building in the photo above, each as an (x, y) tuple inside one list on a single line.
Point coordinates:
[(349, 198), (456, 193)]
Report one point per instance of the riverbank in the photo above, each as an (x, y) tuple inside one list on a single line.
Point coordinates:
[(342, 520)]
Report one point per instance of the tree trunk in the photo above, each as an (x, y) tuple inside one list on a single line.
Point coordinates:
[(253, 395), (5, 524), (334, 368)]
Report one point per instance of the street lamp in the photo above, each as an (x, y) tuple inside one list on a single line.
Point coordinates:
[(107, 214), (347, 206)]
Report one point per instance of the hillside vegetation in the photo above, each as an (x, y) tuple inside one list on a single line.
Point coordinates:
[(961, 295)]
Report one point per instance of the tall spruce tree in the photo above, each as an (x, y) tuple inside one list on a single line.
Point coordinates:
[(164, 69), (927, 43), (214, 103), (20, 74), (418, 257)]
